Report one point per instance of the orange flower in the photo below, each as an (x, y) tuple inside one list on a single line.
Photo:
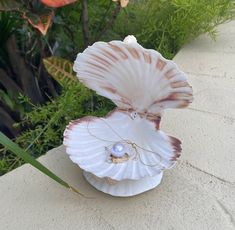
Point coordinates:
[(57, 3), (123, 3), (40, 22)]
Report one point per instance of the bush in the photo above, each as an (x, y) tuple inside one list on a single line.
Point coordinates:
[(166, 25), (48, 122)]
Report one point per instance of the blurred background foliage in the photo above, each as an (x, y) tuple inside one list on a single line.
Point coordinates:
[(37, 98)]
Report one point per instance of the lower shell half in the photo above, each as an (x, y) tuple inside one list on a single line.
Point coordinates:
[(145, 151)]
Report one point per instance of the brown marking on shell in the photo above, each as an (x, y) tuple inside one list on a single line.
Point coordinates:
[(109, 89), (112, 112), (170, 74), (125, 101), (156, 119), (117, 160), (172, 97), (87, 119), (134, 53), (176, 96), (145, 111), (66, 132), (184, 103), (155, 102), (93, 73), (77, 122), (157, 123), (160, 64), (179, 84), (188, 97), (110, 181), (109, 55), (84, 119), (73, 123), (97, 66), (117, 49), (175, 158), (147, 57), (102, 60), (176, 145)]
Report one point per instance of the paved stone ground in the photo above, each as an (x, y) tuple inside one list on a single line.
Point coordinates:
[(197, 194)]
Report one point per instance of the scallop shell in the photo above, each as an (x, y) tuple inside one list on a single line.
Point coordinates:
[(133, 77), (124, 188), (150, 149), (141, 83)]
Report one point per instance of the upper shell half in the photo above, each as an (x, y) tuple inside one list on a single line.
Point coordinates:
[(149, 151), (133, 77)]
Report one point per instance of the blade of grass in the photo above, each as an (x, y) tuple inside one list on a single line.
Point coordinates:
[(13, 147)]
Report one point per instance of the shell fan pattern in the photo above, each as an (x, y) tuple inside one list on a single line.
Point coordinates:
[(125, 153)]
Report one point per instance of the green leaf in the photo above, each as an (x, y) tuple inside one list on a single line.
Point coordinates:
[(10, 145), (9, 5), (6, 99), (61, 70)]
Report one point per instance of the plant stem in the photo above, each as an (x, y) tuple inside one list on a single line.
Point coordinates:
[(10, 145), (104, 17), (43, 130), (85, 25), (111, 21)]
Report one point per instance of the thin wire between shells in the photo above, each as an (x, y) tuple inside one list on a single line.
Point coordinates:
[(133, 145)]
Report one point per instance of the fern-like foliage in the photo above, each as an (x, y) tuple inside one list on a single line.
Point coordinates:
[(61, 70), (47, 122)]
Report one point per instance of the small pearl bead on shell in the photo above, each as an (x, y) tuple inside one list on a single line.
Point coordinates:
[(118, 150)]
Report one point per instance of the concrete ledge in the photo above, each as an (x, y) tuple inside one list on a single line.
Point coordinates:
[(197, 194), (188, 198)]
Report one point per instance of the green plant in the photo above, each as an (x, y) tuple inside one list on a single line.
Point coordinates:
[(21, 51), (32, 30), (14, 148), (166, 25), (23, 70), (47, 122), (38, 13)]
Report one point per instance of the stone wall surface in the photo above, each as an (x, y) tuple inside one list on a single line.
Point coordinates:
[(198, 193)]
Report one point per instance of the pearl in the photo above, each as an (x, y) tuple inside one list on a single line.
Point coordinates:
[(130, 39), (118, 150)]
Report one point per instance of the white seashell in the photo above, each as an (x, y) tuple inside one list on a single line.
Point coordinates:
[(124, 188), (133, 77), (150, 150), (125, 153)]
